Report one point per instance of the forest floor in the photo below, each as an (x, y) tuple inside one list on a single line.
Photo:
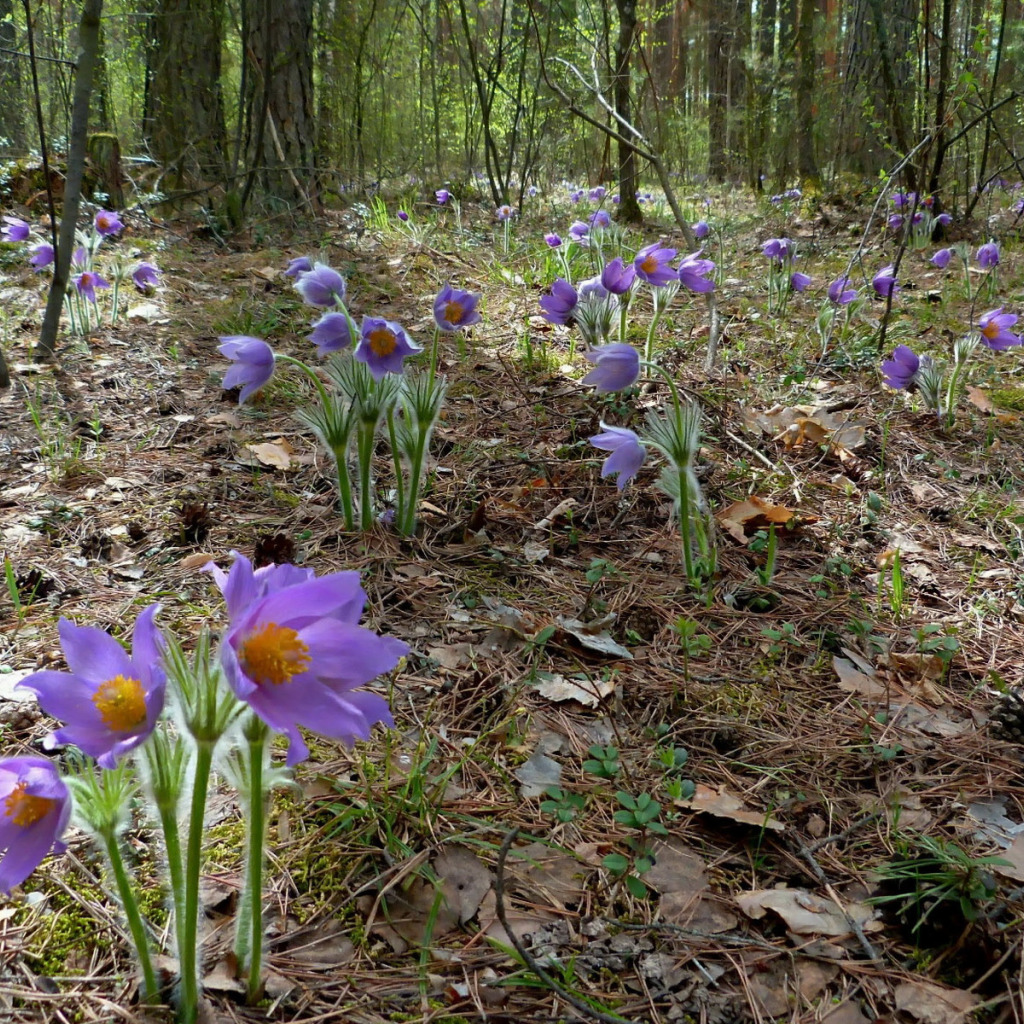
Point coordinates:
[(831, 717)]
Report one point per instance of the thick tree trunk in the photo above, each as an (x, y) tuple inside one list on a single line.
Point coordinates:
[(629, 208), (12, 110), (718, 88), (807, 166)]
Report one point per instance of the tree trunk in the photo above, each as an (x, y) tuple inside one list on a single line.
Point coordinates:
[(629, 208), (807, 166), (12, 110), (718, 88)]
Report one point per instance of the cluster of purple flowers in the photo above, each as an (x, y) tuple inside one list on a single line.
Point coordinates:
[(788, 196)]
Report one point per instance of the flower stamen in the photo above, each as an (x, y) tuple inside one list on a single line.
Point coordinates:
[(24, 809), (273, 654), (121, 702)]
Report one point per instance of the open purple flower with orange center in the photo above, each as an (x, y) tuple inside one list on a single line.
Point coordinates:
[(108, 223), (34, 810), (652, 265), (109, 701), (454, 309), (322, 286), (298, 657), (253, 364), (87, 282), (627, 453), (995, 329), (505, 212), (383, 346), (616, 366)]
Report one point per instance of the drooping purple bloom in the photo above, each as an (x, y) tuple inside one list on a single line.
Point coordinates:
[(299, 657), (652, 265), (899, 371), (243, 586), (553, 240), (322, 286), (36, 807), (600, 219), (383, 346), (902, 199), (627, 453), (15, 229), (331, 333), (778, 249), (798, 282), (593, 288), (944, 220), (942, 257), (884, 282), (42, 255), (995, 329), (840, 292), (616, 366), (895, 221), (298, 266), (108, 223), (597, 193), (616, 198), (917, 217), (145, 277), (253, 364), (454, 309), (988, 255), (109, 702), (403, 216), (79, 258), (559, 305), (701, 229), (442, 195), (87, 282), (694, 273), (617, 277), (578, 231)]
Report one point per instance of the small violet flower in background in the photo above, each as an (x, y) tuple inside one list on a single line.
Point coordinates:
[(383, 346), (553, 240), (902, 199), (895, 221), (798, 282), (87, 282), (600, 219), (299, 266), (42, 255), (36, 809), (627, 453), (442, 195), (559, 305), (941, 258), (578, 231), (884, 282), (108, 223), (402, 216), (616, 366), (109, 702), (145, 277), (840, 293), (15, 229), (701, 229), (617, 277), (79, 258), (694, 273), (322, 286), (994, 327), (298, 657), (778, 249), (454, 309), (331, 333), (988, 255), (899, 372), (575, 195), (254, 364), (652, 265), (597, 193), (944, 220)]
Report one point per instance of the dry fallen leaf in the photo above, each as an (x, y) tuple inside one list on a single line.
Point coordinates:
[(805, 913), (275, 454), (852, 680), (589, 692), (725, 805), (750, 515), (933, 1004)]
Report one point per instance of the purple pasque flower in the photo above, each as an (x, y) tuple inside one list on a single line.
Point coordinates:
[(331, 333), (597, 193), (87, 282), (994, 327), (627, 453), (899, 372), (652, 265), (988, 255), (15, 229), (79, 258), (778, 249), (442, 195), (895, 221), (109, 702), (108, 223), (884, 282), (383, 346), (146, 277), (242, 585), (593, 288), (618, 278), (42, 255), (36, 807), (578, 231), (322, 286), (454, 309), (559, 305), (694, 273), (798, 282), (553, 239), (941, 258), (402, 216), (701, 229), (600, 219), (616, 199), (254, 364), (505, 212), (298, 266), (575, 195), (840, 292), (616, 366), (944, 220), (298, 657), (902, 199)]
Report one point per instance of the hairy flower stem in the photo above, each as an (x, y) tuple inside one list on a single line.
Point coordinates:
[(623, 318), (344, 485), (131, 910), (649, 344), (113, 299), (364, 445), (188, 954), (249, 938), (435, 345), (407, 525), (684, 522), (396, 457)]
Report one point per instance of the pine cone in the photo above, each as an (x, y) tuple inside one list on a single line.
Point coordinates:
[(1007, 719)]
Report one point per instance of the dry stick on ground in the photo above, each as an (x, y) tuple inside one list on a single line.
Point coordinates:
[(528, 958)]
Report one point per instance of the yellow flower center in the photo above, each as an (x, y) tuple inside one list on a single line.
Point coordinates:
[(649, 265), (121, 702), (453, 311), (382, 341), (273, 654), (991, 330), (25, 809)]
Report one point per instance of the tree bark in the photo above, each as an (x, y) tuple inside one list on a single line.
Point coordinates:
[(13, 141), (629, 208), (718, 88), (807, 166)]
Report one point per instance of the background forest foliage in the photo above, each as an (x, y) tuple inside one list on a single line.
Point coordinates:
[(306, 99)]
